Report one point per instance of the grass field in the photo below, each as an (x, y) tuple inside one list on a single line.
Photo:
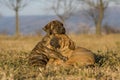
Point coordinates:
[(14, 52)]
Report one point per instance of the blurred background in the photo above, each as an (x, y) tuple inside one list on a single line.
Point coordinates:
[(27, 17)]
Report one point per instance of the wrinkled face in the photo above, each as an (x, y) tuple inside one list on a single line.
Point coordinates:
[(54, 27)]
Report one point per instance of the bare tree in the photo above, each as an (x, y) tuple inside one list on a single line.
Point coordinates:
[(64, 9), (96, 11), (16, 6)]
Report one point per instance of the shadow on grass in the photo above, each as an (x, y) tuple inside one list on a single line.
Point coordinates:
[(109, 58)]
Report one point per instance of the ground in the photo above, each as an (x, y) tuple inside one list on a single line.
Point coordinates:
[(14, 52)]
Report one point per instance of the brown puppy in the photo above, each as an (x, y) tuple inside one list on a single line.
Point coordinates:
[(79, 56)]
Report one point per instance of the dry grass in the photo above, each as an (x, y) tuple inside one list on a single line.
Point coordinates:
[(14, 52)]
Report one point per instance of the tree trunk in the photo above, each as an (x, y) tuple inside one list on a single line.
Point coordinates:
[(17, 24), (98, 27), (100, 18)]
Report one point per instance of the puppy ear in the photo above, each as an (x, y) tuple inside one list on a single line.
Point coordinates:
[(71, 45), (61, 30)]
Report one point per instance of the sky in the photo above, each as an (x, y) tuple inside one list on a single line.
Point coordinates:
[(33, 8)]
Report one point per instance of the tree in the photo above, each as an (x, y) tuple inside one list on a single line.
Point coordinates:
[(96, 11), (64, 9), (16, 6)]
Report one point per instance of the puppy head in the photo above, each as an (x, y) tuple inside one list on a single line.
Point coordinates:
[(54, 27)]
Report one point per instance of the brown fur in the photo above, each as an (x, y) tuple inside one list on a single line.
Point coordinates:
[(54, 27), (60, 43), (65, 43), (42, 52), (66, 46), (58, 46), (59, 40), (81, 57)]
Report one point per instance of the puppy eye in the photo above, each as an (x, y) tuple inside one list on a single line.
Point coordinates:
[(61, 24)]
